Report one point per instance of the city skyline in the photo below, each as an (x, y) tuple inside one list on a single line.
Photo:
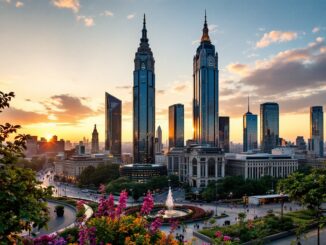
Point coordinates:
[(280, 45)]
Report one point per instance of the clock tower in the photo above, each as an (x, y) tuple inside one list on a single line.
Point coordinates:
[(144, 102), (205, 97)]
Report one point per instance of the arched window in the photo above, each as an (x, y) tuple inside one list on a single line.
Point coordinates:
[(211, 167), (194, 167)]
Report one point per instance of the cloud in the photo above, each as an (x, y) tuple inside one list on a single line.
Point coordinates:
[(124, 87), (162, 112), (21, 117), (237, 68), (276, 37), (88, 21), (19, 4), (212, 28), (195, 42), (107, 13), (131, 16), (127, 107), (315, 29), (74, 5), (160, 91)]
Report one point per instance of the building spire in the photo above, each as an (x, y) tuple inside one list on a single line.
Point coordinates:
[(144, 32), (248, 104), (205, 36)]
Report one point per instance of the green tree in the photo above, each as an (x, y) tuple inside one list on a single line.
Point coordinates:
[(21, 197), (309, 190)]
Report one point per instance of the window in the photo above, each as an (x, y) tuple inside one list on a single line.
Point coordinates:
[(211, 167)]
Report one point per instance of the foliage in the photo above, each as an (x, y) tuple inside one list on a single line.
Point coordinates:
[(103, 173), (251, 229), (35, 163), (60, 210), (238, 186), (22, 200)]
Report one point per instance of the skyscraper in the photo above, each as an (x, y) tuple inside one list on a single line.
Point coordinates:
[(316, 143), (224, 133), (95, 145), (158, 143), (249, 131), (144, 102), (112, 125), (269, 126), (176, 125), (205, 102)]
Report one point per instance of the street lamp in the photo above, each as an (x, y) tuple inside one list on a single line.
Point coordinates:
[(282, 205), (216, 198)]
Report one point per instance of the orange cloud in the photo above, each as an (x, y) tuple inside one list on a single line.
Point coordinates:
[(68, 4), (276, 36), (88, 21), (237, 68)]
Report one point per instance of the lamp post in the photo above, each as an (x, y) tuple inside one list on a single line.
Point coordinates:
[(282, 205), (216, 198)]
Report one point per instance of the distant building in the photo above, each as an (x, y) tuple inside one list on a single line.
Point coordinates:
[(175, 157), (31, 146), (95, 141), (126, 158), (316, 141), (158, 141), (301, 143), (113, 125), (201, 164), (71, 168), (224, 133), (236, 147), (176, 125), (269, 126), (249, 131), (53, 146), (255, 166), (206, 95), (160, 159), (144, 102), (80, 149)]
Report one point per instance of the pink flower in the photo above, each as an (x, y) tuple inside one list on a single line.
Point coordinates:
[(226, 238), (148, 204), (87, 236), (155, 225), (122, 202), (218, 234)]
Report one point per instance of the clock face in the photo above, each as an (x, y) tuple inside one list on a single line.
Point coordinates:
[(211, 61), (143, 67)]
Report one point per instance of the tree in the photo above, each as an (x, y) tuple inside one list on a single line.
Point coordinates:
[(21, 199), (309, 190)]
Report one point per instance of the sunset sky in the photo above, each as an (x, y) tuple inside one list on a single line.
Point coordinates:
[(61, 56)]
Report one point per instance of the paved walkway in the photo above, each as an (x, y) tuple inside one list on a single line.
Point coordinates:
[(309, 239)]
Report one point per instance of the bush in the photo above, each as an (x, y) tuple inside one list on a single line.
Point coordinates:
[(60, 210), (70, 234)]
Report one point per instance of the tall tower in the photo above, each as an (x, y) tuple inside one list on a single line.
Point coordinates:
[(316, 142), (112, 125), (144, 102), (269, 126), (176, 125), (95, 145), (158, 140), (249, 131), (224, 133), (205, 102)]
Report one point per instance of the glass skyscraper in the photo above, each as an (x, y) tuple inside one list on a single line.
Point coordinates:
[(249, 131), (269, 126), (144, 102), (112, 125), (224, 133), (316, 143), (205, 102), (176, 126)]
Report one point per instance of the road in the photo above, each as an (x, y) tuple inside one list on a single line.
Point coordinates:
[(308, 239)]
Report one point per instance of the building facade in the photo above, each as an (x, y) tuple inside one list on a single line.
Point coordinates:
[(249, 131), (113, 125), (205, 97), (316, 142), (176, 125), (224, 133), (144, 102), (269, 126), (95, 141), (255, 166)]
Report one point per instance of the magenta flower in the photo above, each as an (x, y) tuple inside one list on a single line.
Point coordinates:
[(218, 234), (122, 202), (148, 204), (87, 236), (110, 205), (226, 238), (155, 225)]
